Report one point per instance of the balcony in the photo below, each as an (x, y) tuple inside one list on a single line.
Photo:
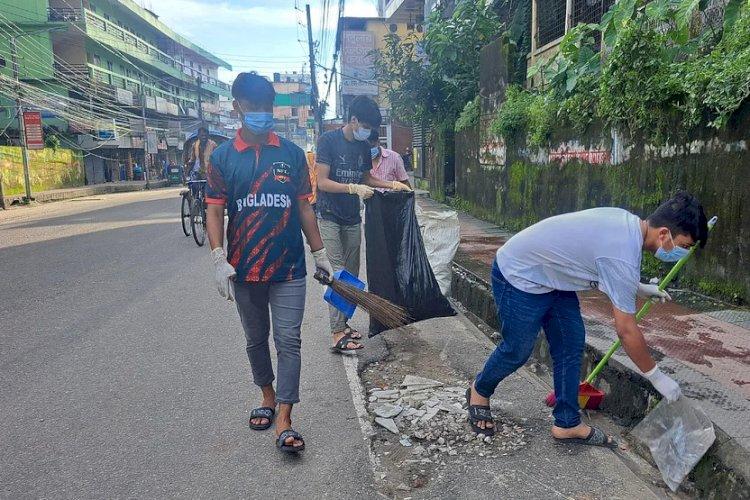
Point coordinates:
[(63, 14), (120, 39)]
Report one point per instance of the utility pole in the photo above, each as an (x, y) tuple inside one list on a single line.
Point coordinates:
[(145, 132), (314, 93), (200, 101), (21, 124)]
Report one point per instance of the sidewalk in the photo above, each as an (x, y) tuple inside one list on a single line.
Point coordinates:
[(90, 190), (707, 349), (419, 374)]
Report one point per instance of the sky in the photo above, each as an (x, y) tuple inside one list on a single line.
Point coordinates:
[(263, 35)]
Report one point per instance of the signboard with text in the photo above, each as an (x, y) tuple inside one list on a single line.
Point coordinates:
[(32, 122), (357, 70)]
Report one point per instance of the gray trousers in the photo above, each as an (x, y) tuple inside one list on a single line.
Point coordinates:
[(342, 244), (287, 304)]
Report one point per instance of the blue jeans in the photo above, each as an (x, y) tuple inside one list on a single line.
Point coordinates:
[(521, 316)]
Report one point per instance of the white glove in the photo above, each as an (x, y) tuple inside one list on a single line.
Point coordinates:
[(653, 292), (322, 263), (666, 386), (399, 186), (224, 274), (361, 190)]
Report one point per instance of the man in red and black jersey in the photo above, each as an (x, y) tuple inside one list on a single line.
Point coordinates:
[(264, 183)]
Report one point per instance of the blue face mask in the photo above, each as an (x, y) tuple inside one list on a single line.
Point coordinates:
[(673, 255), (258, 122), (361, 134), (374, 152)]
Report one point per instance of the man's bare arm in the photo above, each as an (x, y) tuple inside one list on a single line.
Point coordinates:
[(325, 183), (632, 340), (309, 225), (215, 225)]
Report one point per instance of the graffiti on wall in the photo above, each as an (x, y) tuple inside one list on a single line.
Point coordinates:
[(563, 154)]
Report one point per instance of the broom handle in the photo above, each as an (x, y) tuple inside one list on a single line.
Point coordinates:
[(647, 306)]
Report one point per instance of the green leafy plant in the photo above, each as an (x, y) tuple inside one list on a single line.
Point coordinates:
[(469, 117), (432, 79), (649, 68)]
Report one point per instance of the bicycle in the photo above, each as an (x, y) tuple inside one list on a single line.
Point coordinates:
[(193, 208)]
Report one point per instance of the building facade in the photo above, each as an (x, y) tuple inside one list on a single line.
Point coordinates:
[(113, 55), (292, 114)]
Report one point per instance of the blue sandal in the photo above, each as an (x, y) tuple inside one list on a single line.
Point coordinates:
[(289, 448)]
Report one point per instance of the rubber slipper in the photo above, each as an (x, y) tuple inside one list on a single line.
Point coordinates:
[(354, 334), (288, 448), (596, 437), (341, 348), (262, 412), (479, 413)]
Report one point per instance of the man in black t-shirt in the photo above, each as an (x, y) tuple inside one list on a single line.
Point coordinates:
[(343, 163)]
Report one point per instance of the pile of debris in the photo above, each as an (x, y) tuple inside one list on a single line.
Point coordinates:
[(432, 420)]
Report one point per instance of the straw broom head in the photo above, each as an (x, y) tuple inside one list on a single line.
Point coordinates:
[(382, 310)]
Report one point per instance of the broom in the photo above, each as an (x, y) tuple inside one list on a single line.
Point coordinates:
[(589, 397), (384, 311)]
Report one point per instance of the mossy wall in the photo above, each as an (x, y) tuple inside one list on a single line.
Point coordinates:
[(524, 190), (48, 169)]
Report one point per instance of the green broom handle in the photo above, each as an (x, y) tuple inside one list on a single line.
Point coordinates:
[(647, 306)]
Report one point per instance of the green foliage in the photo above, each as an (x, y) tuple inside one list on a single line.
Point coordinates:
[(469, 117), (435, 84), (51, 141), (659, 72), (524, 111)]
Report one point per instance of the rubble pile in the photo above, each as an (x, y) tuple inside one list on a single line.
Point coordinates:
[(431, 419)]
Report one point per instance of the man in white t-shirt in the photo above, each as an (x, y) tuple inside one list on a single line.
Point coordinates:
[(535, 278)]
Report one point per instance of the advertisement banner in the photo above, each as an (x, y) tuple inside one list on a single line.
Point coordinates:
[(357, 70), (32, 122)]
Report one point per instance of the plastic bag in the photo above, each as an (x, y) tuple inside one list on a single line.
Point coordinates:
[(397, 264), (678, 435), (441, 235)]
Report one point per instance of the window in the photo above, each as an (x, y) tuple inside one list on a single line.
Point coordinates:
[(550, 21), (2, 62), (294, 112), (97, 60)]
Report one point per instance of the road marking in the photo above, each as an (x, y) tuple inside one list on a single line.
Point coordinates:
[(360, 407)]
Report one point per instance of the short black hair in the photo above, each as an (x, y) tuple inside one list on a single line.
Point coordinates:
[(374, 135), (682, 214), (253, 88), (366, 110), (202, 129)]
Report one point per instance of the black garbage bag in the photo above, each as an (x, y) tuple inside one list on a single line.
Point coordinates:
[(397, 265)]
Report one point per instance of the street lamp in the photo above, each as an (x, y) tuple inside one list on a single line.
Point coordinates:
[(19, 107)]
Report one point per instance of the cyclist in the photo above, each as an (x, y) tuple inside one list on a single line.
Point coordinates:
[(197, 160)]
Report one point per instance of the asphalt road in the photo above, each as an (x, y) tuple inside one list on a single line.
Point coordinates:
[(123, 373)]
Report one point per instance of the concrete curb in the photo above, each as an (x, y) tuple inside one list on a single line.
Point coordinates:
[(67, 194), (724, 472)]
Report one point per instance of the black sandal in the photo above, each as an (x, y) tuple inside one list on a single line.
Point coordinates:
[(479, 413), (354, 334), (262, 412), (341, 348), (289, 448), (596, 437)]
